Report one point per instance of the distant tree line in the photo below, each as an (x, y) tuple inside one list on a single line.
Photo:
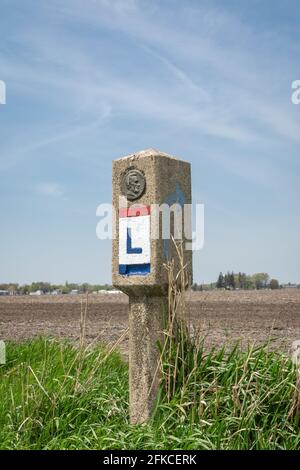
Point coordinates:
[(229, 281), (48, 288), (246, 282), (243, 281)]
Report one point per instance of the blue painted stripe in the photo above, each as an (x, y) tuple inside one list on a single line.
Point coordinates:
[(129, 248), (134, 269)]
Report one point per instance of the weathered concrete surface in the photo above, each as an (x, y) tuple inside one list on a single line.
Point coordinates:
[(146, 325), (167, 181)]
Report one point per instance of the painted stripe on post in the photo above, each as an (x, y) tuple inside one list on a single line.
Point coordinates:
[(134, 211)]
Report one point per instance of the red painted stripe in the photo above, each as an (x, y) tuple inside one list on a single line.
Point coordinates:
[(135, 211)]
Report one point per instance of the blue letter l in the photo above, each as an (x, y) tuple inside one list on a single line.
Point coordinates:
[(131, 250)]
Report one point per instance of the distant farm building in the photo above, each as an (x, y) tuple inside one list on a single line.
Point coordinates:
[(37, 292), (4, 292), (106, 291)]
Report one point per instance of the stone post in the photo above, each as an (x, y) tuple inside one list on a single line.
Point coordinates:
[(144, 185)]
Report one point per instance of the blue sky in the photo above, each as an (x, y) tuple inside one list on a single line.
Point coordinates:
[(90, 81)]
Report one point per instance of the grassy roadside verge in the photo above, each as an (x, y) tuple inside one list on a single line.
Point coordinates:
[(54, 396)]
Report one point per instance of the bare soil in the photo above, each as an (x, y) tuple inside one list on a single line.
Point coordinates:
[(221, 316)]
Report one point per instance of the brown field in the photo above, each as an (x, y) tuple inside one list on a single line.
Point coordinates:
[(222, 317)]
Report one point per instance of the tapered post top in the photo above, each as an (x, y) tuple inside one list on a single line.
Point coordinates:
[(147, 186)]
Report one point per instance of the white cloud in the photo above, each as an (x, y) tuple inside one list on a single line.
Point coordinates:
[(214, 86), (215, 57), (49, 189)]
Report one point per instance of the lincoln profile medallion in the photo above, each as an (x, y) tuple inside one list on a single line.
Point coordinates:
[(133, 184)]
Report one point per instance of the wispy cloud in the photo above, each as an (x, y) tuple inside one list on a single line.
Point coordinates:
[(200, 79), (49, 189), (217, 78), (204, 80)]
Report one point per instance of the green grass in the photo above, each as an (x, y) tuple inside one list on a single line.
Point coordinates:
[(54, 396)]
